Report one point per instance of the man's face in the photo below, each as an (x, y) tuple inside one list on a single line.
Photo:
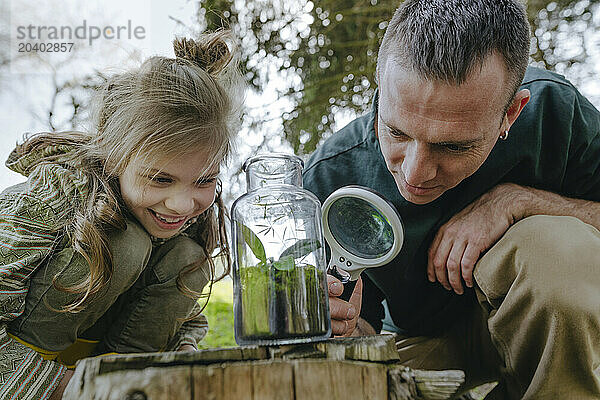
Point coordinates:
[(434, 135), (172, 192)]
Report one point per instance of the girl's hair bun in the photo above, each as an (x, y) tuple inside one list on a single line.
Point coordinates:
[(210, 51)]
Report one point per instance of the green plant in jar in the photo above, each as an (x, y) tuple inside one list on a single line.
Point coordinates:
[(282, 298)]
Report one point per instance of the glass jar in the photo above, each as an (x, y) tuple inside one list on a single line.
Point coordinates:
[(279, 269)]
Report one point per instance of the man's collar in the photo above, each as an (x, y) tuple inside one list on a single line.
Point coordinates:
[(375, 101), (370, 131)]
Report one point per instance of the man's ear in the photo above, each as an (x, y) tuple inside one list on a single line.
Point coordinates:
[(518, 103)]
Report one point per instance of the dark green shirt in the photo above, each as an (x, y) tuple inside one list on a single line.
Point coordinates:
[(554, 145)]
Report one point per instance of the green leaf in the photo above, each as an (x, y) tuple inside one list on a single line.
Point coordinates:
[(301, 248), (285, 263), (253, 242)]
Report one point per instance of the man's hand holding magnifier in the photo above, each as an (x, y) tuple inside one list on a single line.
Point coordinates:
[(344, 314)]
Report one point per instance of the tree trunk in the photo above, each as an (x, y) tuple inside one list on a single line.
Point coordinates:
[(348, 368)]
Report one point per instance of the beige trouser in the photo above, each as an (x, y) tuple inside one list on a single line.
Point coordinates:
[(537, 329)]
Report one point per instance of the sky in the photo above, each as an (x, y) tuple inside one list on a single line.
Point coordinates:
[(26, 85)]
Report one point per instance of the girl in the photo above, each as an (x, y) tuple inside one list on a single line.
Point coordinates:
[(107, 245)]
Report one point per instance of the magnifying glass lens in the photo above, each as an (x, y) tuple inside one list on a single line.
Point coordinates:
[(360, 228)]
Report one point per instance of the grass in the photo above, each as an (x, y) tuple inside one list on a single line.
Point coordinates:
[(219, 312)]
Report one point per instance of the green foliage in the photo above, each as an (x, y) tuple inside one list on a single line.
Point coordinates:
[(220, 322), (336, 63), (301, 248), (254, 243), (285, 263), (555, 23)]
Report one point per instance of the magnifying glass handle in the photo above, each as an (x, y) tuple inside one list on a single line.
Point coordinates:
[(348, 289), (344, 277)]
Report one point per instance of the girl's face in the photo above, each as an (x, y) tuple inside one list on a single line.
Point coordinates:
[(163, 196)]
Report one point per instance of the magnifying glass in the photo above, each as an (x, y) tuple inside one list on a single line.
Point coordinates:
[(363, 230)]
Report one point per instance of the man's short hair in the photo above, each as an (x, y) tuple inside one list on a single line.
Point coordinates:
[(446, 39)]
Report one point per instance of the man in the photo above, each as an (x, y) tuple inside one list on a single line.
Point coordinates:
[(496, 173)]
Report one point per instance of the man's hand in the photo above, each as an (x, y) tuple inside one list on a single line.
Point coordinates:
[(344, 314), (458, 244)]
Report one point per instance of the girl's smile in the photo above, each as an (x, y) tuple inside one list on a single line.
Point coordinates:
[(168, 222)]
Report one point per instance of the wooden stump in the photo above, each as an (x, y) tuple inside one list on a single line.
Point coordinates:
[(348, 368)]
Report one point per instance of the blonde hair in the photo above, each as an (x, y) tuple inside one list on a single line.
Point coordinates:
[(165, 108)]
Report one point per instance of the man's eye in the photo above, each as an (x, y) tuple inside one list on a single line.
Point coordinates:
[(454, 148), (397, 134)]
